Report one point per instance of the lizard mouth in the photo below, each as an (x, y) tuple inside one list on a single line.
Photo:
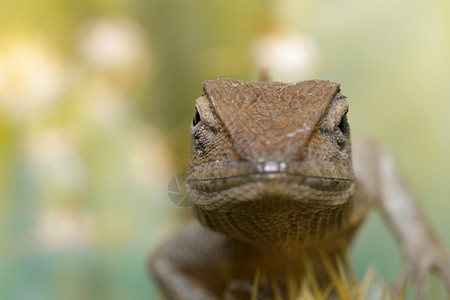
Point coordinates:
[(276, 174), (315, 182)]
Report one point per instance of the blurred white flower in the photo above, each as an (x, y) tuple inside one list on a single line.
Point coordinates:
[(113, 44), (286, 55), (32, 76), (63, 230), (53, 153)]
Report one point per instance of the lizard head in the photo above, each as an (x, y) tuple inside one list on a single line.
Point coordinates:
[(270, 163)]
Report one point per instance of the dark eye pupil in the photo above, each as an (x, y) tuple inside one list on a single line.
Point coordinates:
[(196, 118), (343, 125)]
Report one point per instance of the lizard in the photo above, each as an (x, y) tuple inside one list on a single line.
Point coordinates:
[(273, 177)]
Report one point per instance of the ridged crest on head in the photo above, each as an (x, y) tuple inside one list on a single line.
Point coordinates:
[(263, 117)]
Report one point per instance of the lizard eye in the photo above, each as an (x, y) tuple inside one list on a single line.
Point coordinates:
[(196, 118), (343, 125)]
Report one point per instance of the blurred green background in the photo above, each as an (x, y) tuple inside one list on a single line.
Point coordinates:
[(96, 98)]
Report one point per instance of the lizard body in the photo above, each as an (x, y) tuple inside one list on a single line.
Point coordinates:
[(273, 178)]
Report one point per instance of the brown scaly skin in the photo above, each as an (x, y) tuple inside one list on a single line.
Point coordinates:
[(273, 178)]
